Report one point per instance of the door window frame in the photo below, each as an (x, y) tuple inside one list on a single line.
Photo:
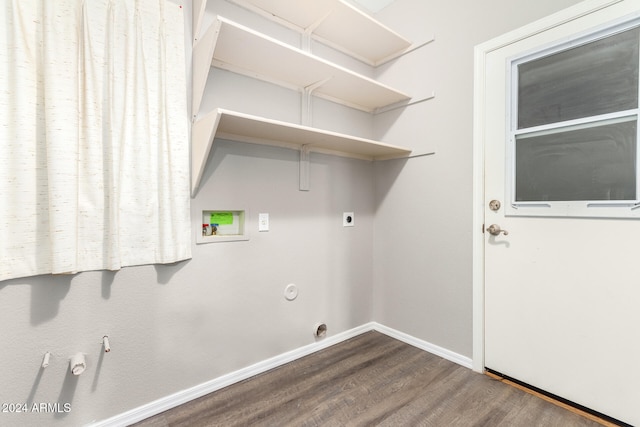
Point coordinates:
[(587, 208)]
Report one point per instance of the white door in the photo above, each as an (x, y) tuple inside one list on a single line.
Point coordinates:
[(562, 288)]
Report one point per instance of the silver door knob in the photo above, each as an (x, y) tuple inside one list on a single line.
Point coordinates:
[(495, 230)]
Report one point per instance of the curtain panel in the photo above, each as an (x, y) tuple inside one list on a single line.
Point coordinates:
[(94, 152)]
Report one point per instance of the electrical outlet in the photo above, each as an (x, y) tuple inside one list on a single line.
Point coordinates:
[(348, 219)]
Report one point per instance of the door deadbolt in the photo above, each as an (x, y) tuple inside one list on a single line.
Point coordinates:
[(494, 205)]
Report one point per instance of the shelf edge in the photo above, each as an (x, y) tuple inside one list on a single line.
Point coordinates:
[(206, 129), (202, 55), (197, 13), (203, 133)]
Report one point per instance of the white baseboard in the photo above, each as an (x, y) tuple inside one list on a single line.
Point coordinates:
[(153, 408), (424, 345)]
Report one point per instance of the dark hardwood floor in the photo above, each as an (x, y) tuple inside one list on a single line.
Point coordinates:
[(369, 380)]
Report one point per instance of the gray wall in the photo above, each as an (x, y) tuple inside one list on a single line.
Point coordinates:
[(406, 263), (422, 230)]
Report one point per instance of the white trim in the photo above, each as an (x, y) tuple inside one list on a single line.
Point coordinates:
[(424, 345), (555, 20), (163, 404), (480, 53), (577, 124), (477, 238)]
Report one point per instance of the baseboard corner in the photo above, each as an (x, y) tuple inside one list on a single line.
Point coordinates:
[(454, 357)]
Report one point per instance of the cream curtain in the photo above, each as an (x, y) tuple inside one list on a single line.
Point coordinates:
[(94, 170)]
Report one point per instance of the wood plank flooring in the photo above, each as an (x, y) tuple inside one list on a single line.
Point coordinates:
[(369, 380)]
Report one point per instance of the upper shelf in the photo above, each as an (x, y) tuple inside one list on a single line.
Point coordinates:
[(337, 24), (234, 47), (259, 130)]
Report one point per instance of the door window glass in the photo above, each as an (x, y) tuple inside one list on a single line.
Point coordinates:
[(595, 163), (596, 78)]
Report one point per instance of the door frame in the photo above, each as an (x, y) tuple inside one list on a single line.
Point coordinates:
[(478, 238)]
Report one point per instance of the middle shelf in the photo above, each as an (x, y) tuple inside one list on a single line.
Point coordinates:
[(236, 48), (235, 126)]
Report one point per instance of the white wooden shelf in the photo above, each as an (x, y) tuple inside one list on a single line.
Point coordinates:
[(336, 24), (236, 126), (233, 47), (197, 14)]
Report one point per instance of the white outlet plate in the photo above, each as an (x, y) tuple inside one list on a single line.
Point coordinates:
[(263, 222), (348, 219)]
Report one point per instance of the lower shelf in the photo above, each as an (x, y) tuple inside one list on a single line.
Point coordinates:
[(236, 126)]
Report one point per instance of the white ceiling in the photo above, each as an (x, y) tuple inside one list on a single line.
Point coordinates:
[(373, 5)]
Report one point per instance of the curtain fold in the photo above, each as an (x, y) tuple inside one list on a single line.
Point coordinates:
[(94, 160)]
